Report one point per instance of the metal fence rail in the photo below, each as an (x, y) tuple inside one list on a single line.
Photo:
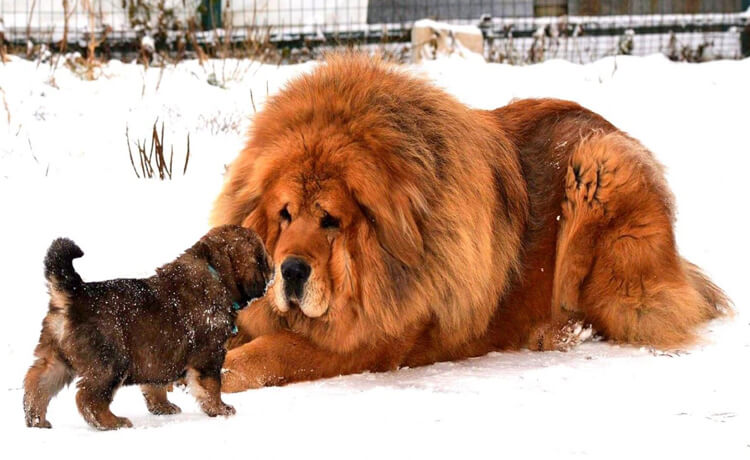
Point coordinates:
[(516, 31)]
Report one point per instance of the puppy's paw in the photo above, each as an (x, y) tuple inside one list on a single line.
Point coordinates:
[(115, 424), (38, 423), (164, 408), (222, 409), (123, 422)]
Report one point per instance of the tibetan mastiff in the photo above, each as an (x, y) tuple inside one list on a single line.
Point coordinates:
[(150, 332), (408, 229)]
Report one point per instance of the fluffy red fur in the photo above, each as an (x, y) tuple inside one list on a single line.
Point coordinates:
[(457, 231)]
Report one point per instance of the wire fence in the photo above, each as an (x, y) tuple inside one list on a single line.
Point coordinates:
[(515, 31)]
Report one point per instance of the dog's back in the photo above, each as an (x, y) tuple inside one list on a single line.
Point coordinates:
[(111, 322), (99, 312)]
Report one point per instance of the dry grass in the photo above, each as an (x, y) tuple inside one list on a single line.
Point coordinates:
[(153, 163), (5, 104), (28, 26), (67, 13), (3, 51), (91, 62), (194, 42)]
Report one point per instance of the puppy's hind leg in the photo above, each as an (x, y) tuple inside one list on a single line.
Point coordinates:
[(46, 377), (156, 400), (205, 385), (95, 393)]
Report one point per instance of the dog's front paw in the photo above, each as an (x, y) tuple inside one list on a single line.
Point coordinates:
[(234, 381), (240, 373)]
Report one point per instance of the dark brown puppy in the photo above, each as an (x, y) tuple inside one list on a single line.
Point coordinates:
[(144, 331)]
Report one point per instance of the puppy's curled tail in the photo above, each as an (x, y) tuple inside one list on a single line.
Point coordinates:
[(58, 268)]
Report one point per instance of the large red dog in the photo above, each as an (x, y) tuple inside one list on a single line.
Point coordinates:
[(408, 229)]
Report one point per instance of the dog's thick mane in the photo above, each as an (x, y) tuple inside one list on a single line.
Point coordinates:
[(388, 135)]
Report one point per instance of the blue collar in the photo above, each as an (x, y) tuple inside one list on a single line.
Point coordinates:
[(235, 305), (214, 273)]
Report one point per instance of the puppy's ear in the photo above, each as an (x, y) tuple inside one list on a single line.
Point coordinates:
[(202, 250), (392, 215), (214, 250)]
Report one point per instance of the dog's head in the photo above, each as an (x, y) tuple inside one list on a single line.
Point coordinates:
[(337, 188), (332, 227), (239, 258)]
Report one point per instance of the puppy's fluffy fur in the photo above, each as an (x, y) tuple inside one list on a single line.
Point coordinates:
[(144, 331)]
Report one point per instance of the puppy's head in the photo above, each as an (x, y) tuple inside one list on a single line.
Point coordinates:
[(240, 259)]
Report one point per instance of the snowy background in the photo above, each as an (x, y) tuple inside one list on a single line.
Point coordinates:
[(64, 170)]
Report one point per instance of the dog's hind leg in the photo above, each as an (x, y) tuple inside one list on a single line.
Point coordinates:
[(617, 263), (46, 377), (156, 400), (95, 393)]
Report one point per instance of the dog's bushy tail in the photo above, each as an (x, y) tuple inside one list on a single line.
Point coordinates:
[(58, 269), (717, 302)]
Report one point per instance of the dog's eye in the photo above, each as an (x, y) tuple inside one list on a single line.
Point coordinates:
[(328, 221), (284, 213)]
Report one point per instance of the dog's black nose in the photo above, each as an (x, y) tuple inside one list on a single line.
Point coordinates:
[(295, 272)]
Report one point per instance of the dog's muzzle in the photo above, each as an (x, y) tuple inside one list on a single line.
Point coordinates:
[(295, 272)]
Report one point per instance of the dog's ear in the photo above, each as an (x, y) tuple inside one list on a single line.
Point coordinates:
[(240, 201), (257, 221), (242, 190), (234, 203), (392, 215)]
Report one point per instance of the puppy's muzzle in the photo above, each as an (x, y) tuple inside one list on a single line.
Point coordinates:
[(295, 272)]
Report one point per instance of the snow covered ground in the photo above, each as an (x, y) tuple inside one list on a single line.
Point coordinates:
[(64, 170)]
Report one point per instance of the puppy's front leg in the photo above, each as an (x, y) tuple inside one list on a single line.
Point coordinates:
[(205, 385), (156, 400)]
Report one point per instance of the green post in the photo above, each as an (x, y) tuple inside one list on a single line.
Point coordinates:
[(745, 34), (210, 11)]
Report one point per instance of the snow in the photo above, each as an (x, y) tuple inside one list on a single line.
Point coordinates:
[(65, 171)]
